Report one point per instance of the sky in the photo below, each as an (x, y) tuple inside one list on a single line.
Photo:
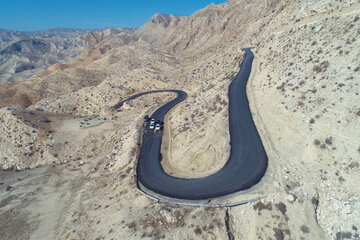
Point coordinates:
[(33, 15)]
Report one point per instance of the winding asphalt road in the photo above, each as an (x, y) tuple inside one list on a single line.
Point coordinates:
[(247, 163)]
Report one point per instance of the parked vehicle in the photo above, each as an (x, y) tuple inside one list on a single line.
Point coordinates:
[(157, 127), (152, 121), (146, 118), (151, 126)]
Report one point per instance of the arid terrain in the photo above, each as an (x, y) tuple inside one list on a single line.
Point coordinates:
[(68, 158), (24, 54)]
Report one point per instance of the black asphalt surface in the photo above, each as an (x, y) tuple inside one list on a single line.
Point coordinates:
[(247, 163)]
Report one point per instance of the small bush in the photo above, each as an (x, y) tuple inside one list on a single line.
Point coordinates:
[(279, 234), (305, 229), (281, 207), (131, 225), (321, 67), (343, 235), (329, 140), (260, 206), (354, 165), (315, 201), (197, 231)]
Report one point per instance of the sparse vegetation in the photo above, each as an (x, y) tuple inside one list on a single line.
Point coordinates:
[(329, 140), (305, 229), (132, 225), (341, 179), (197, 231), (321, 67), (259, 206), (344, 235), (281, 207), (354, 165), (280, 233)]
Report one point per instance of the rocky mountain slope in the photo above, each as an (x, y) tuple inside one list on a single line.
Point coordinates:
[(303, 93)]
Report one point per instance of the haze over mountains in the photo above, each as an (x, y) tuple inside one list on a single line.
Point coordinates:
[(303, 93)]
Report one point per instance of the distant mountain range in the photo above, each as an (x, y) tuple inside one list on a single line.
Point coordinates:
[(7, 35), (23, 54)]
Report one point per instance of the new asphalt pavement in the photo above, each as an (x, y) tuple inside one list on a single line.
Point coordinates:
[(245, 167)]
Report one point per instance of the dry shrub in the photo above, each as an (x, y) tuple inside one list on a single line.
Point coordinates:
[(321, 67), (281, 207), (260, 206)]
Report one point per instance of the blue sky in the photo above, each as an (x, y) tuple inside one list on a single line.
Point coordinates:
[(32, 15)]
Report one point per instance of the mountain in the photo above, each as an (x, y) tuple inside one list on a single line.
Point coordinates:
[(23, 54), (303, 93)]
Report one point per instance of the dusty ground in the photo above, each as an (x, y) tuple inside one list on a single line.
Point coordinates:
[(303, 93)]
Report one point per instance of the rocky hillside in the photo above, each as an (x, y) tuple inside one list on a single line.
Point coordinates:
[(303, 92)]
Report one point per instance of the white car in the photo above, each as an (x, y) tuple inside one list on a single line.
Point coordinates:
[(157, 127), (152, 121), (151, 126)]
